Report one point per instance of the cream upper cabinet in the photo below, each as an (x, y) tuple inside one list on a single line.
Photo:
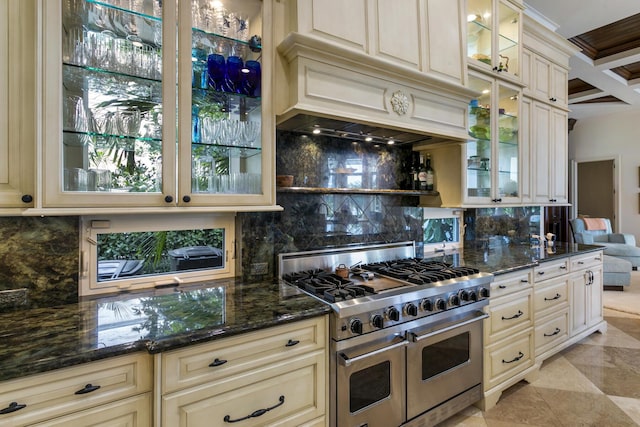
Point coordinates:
[(549, 134), (424, 35), (388, 63), (157, 104), (545, 64), (17, 104), (494, 33)]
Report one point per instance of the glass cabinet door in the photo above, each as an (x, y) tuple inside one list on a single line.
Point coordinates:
[(479, 152), (112, 105), (157, 103), (493, 34), (222, 153), (480, 30), (508, 149), (493, 155)]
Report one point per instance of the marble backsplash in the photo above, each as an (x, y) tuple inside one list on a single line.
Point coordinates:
[(38, 261), (39, 257)]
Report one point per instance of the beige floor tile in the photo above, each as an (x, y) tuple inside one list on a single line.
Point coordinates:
[(469, 417), (521, 404), (613, 338), (614, 313), (630, 406), (559, 373)]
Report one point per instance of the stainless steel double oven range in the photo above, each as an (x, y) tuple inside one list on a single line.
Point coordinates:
[(405, 333)]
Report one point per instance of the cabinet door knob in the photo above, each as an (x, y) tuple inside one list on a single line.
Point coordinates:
[(27, 198), (186, 198), (168, 199)]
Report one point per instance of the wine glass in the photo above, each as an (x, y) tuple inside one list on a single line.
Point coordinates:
[(251, 78), (233, 78), (216, 68)]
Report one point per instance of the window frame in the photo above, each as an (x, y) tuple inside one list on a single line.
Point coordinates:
[(91, 226), (438, 213)]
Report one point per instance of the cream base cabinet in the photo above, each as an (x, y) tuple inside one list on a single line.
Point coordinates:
[(586, 292), (110, 392), (274, 377), (17, 104), (508, 336)]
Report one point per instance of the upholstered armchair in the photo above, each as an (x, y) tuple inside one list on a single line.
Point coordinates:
[(619, 245)]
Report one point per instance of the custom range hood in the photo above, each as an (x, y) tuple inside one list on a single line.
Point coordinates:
[(347, 84)]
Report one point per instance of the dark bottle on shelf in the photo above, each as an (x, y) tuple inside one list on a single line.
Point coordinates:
[(414, 182), (422, 175), (430, 175)]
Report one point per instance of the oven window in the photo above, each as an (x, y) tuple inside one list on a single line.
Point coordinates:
[(369, 385), (445, 355)]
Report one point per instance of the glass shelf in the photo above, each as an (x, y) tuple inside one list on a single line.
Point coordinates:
[(153, 12), (389, 192)]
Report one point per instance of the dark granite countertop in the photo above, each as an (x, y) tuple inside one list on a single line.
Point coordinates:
[(39, 340), (502, 259)]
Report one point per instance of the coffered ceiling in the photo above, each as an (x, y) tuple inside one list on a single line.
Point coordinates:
[(604, 77)]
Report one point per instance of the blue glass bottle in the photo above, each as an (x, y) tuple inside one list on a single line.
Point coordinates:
[(195, 124)]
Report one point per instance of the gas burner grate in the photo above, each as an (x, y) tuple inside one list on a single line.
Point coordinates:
[(419, 271), (327, 285)]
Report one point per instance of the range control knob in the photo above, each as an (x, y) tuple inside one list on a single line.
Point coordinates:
[(426, 304), (484, 293), (377, 321), (411, 309), (393, 314), (440, 304), (464, 296), (454, 300), (473, 296), (356, 326)]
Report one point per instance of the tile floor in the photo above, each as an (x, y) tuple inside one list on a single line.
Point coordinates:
[(595, 382)]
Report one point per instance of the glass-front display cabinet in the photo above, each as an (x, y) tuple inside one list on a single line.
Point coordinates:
[(493, 153), (154, 103), (493, 36)]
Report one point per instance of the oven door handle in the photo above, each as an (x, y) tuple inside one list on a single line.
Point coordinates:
[(476, 316), (345, 360)]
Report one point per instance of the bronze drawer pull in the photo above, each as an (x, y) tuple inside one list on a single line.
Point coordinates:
[(87, 389), (556, 332), (518, 357), (554, 298), (254, 414), (217, 362), (515, 316), (13, 406), (291, 343)]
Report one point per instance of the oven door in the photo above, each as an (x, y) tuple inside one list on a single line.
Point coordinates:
[(370, 384), (443, 360)]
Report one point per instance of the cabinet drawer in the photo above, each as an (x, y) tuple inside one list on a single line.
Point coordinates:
[(551, 331), (508, 315), (511, 282), (589, 260), (552, 295), (551, 269), (507, 358), (234, 356), (132, 412), (294, 389), (53, 394)]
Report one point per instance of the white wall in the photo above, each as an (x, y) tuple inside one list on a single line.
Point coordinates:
[(615, 136)]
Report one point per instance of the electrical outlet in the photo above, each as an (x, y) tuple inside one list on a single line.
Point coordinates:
[(259, 268)]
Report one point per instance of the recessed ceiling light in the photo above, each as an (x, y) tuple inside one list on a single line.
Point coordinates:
[(391, 141), (316, 131), (368, 139)]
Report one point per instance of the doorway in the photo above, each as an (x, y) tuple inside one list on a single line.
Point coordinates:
[(595, 190)]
